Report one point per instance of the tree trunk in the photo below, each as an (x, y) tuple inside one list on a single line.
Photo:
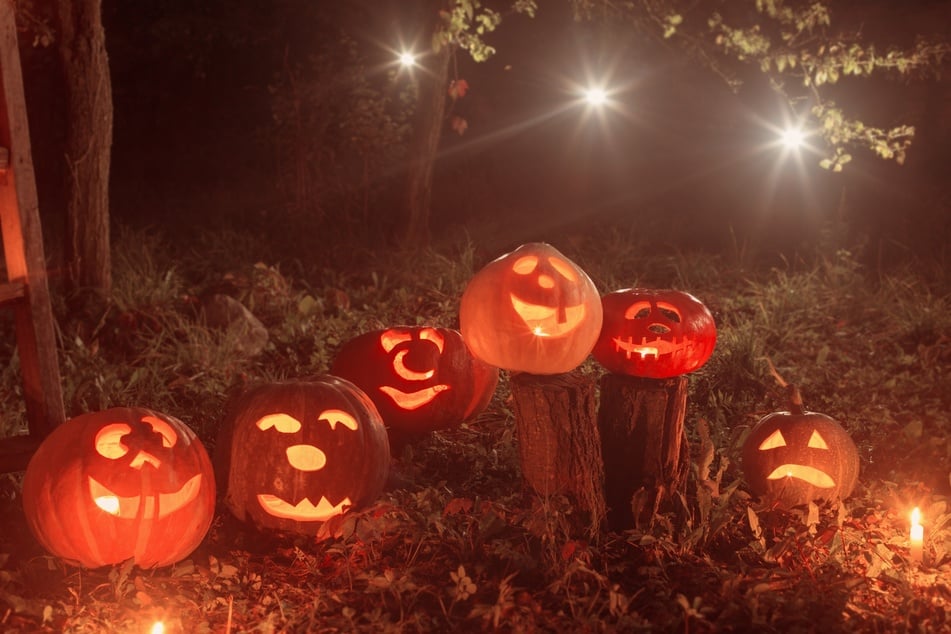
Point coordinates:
[(82, 50), (431, 108), (558, 439), (644, 445)]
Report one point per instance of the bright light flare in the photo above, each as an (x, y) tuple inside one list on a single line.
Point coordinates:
[(595, 96), (157, 628), (407, 59), (792, 138)]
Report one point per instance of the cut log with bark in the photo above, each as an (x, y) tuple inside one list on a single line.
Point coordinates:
[(644, 445), (559, 446)]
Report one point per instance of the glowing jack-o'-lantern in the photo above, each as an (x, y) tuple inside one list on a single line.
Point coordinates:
[(124, 483), (654, 334), (420, 378), (532, 310), (292, 455), (796, 457)]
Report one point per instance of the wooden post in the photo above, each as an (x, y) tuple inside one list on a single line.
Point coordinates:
[(26, 289), (644, 446), (558, 439)]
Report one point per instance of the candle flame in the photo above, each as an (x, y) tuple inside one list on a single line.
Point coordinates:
[(916, 517), (157, 628)]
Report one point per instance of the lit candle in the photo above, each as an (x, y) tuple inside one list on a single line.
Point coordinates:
[(157, 628), (917, 536)]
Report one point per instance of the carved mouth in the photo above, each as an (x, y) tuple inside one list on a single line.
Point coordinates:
[(413, 400), (655, 348), (160, 505), (813, 476), (545, 321), (305, 510)]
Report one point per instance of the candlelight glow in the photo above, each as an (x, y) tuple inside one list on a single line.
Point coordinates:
[(157, 628), (917, 536), (596, 96)]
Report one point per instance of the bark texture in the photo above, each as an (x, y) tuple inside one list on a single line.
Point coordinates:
[(82, 48), (558, 439), (431, 109), (644, 445)]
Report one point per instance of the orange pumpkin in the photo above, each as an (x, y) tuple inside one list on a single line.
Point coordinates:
[(794, 457), (420, 378), (124, 483), (292, 455), (654, 334), (532, 310)]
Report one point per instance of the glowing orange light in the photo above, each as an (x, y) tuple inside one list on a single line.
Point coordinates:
[(157, 628), (916, 543)]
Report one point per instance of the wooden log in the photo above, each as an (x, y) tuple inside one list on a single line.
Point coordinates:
[(559, 447), (644, 445)]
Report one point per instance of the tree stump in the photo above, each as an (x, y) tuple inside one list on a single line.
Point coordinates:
[(644, 445), (559, 445)]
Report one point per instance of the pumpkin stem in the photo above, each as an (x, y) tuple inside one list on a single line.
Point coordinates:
[(795, 400)]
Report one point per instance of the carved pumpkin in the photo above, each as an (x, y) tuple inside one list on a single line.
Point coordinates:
[(795, 457), (292, 455), (532, 310), (420, 378), (122, 483), (655, 334)]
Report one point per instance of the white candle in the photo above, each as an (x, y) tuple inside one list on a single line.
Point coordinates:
[(917, 537)]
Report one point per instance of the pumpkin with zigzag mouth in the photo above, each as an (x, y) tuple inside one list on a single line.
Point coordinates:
[(292, 455)]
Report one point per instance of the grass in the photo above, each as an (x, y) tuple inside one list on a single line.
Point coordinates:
[(456, 543)]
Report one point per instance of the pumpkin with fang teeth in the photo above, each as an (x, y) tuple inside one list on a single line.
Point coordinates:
[(291, 455), (532, 310), (124, 483), (654, 334), (420, 378), (796, 457)]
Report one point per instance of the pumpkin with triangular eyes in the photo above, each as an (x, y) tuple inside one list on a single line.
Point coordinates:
[(532, 310), (291, 455), (796, 457), (420, 378), (654, 333), (123, 483)]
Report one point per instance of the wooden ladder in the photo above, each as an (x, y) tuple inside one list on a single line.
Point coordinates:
[(26, 289)]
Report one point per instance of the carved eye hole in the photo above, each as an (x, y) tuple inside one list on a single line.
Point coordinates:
[(773, 441), (564, 269), (816, 441), (669, 311), (109, 441), (638, 310), (525, 265), (281, 422), (338, 417), (169, 437), (431, 334), (392, 338)]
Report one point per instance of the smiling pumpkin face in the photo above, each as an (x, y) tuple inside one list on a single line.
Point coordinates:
[(795, 458), (119, 484), (295, 454), (420, 378), (532, 310)]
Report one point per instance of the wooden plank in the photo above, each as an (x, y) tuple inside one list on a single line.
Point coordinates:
[(23, 243), (12, 291)]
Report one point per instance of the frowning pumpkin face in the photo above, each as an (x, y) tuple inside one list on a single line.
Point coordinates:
[(795, 458), (127, 483), (531, 310), (421, 378), (298, 453)]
